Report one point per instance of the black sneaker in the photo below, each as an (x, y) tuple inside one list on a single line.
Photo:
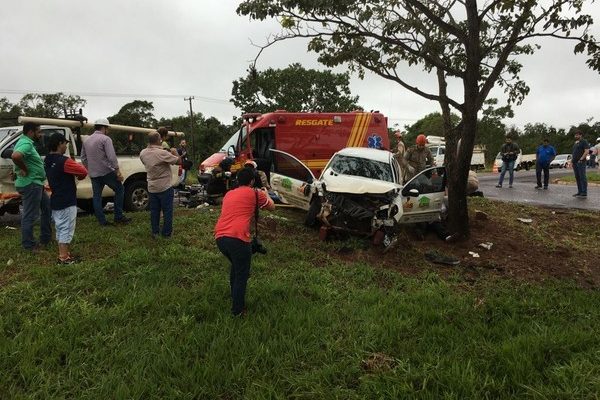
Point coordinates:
[(498, 186), (107, 224), (538, 187), (576, 195), (545, 187), (123, 220), (582, 196)]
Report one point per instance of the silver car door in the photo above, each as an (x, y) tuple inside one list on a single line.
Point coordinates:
[(423, 196), (291, 179)]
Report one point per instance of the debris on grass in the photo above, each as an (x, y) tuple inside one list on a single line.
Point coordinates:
[(12, 228), (473, 254), (439, 258), (9, 262), (486, 245), (273, 216), (525, 220)]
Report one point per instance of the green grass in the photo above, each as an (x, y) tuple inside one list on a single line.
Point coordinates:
[(147, 319), (591, 177)]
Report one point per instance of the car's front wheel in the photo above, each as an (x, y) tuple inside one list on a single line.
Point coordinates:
[(136, 196)]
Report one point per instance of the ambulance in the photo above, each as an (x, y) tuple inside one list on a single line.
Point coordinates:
[(312, 138)]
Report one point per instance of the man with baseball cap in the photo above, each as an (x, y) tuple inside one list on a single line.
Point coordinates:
[(99, 157)]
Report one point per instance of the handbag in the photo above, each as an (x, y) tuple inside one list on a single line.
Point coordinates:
[(257, 246)]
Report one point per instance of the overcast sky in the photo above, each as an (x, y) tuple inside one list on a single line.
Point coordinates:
[(132, 49)]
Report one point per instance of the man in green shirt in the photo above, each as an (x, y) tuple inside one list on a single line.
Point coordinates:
[(29, 169)]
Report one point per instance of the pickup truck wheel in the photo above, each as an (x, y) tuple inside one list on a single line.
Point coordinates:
[(311, 216), (136, 196)]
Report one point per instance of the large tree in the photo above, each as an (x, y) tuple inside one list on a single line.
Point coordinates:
[(293, 89), (474, 44), (136, 113), (50, 105)]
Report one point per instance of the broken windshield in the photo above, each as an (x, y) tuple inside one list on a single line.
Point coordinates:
[(356, 166)]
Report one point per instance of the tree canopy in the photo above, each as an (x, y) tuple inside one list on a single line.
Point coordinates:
[(208, 136), (9, 112), (136, 113), (294, 89), (475, 44), (50, 105)]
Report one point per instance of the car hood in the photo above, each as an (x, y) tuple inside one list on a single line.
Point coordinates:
[(214, 159), (356, 185)]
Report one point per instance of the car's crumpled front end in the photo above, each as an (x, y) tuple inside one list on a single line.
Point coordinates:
[(363, 213)]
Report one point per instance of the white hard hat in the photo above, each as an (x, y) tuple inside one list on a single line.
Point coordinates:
[(251, 162), (102, 121), (598, 140)]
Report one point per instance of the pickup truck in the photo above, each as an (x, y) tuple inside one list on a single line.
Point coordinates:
[(437, 146), (360, 191), (523, 161), (134, 173)]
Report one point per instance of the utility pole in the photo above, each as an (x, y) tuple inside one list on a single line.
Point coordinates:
[(191, 125)]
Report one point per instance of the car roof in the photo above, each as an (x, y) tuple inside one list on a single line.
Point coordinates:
[(364, 152)]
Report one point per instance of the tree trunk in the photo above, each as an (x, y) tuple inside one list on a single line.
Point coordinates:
[(460, 140), (459, 149)]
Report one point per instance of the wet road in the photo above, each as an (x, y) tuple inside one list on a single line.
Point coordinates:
[(523, 191)]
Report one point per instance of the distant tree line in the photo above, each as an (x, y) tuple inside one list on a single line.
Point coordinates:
[(209, 133), (492, 131), (264, 91)]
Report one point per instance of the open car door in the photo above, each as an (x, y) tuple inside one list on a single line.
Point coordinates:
[(423, 196), (291, 179)]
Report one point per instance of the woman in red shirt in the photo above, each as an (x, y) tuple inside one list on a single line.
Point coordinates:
[(232, 233)]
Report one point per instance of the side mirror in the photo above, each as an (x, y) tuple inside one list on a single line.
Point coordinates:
[(231, 152), (7, 153), (413, 193)]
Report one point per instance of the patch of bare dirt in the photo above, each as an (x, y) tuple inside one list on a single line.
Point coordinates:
[(535, 251)]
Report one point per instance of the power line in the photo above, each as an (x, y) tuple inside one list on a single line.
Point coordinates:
[(144, 95), (114, 94)]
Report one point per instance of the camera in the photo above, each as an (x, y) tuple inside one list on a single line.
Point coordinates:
[(257, 246)]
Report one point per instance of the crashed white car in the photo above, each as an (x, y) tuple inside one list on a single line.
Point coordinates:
[(360, 191)]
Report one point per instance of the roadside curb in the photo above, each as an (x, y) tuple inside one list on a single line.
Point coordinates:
[(559, 182)]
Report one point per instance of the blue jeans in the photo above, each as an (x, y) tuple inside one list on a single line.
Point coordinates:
[(34, 199), (510, 165), (112, 182), (580, 177), (162, 201), (239, 254)]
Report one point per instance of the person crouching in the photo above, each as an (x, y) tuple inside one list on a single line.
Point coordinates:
[(232, 233), (61, 172), (158, 163)]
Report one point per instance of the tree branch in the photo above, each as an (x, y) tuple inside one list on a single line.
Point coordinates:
[(443, 25)]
